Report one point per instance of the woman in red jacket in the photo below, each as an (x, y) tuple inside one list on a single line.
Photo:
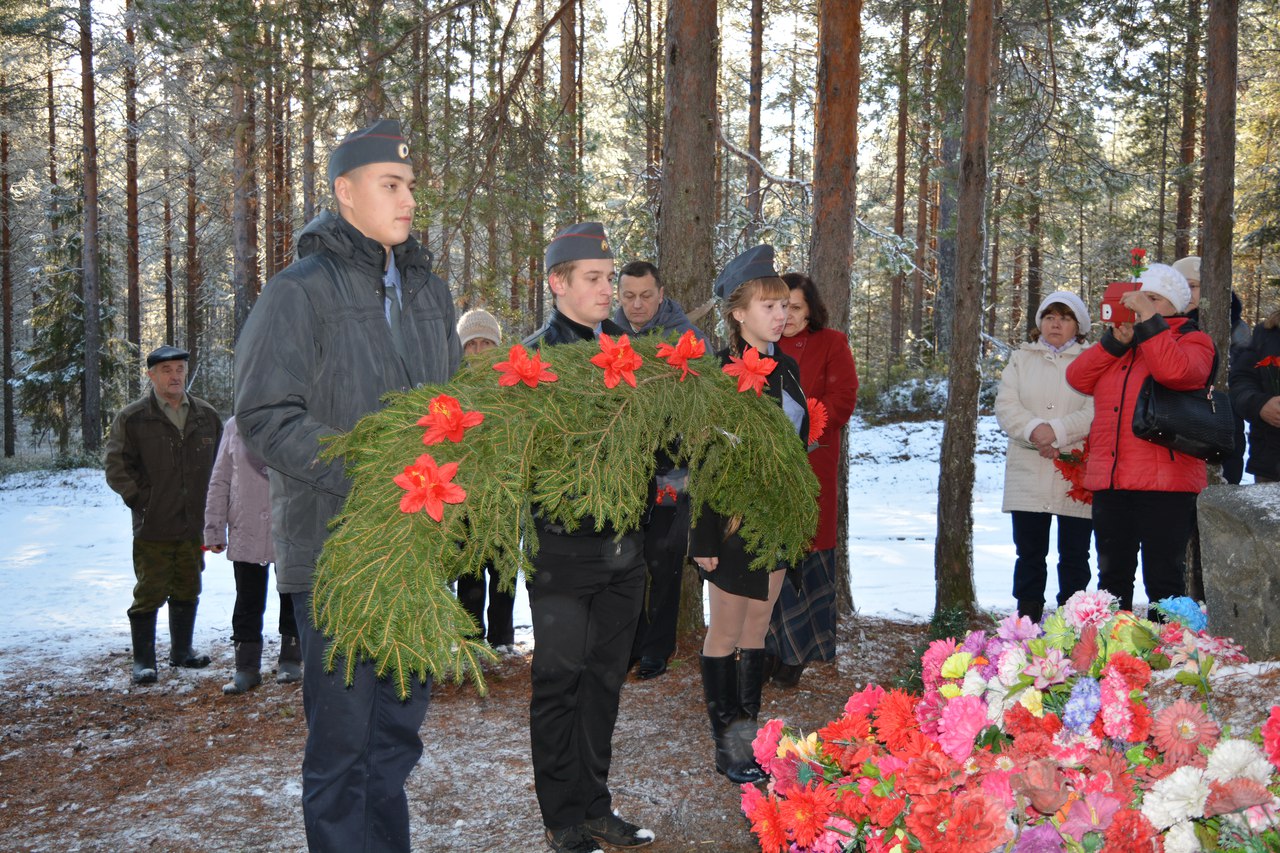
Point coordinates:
[(1144, 495), (803, 627)]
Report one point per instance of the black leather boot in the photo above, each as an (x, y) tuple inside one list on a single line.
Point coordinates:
[(248, 669), (289, 664), (728, 725), (751, 664), (143, 629), (788, 674), (182, 624)]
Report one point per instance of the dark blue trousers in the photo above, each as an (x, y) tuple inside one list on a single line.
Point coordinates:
[(251, 603), (1030, 571), (666, 541), (585, 597), (362, 743)]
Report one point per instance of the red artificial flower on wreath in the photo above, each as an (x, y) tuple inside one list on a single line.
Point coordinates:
[(817, 418), (968, 823), (522, 367), (1271, 736), (428, 487), (1072, 467), (1131, 831), (664, 493), (686, 350), (618, 360), (445, 420), (752, 370), (766, 821), (805, 812)]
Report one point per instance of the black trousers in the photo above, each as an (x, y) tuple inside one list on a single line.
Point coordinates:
[(1157, 523), (500, 630), (251, 603), (1030, 571), (362, 743), (666, 542), (585, 597)]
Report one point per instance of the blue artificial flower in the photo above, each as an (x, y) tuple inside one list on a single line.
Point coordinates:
[(1184, 610), (1083, 704)]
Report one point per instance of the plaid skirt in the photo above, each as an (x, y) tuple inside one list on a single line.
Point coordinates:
[(803, 627)]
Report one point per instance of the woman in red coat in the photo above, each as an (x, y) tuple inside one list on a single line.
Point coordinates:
[(803, 627), (1144, 495)]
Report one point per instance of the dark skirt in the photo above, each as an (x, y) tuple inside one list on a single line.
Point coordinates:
[(803, 627), (732, 574)]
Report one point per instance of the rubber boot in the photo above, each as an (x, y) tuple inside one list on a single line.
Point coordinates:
[(787, 675), (751, 664), (289, 664), (143, 627), (182, 624), (720, 689), (248, 669)]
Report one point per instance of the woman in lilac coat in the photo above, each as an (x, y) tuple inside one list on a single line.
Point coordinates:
[(237, 519)]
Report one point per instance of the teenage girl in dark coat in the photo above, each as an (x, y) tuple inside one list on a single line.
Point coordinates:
[(741, 601)]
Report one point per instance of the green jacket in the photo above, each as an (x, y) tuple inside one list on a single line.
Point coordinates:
[(162, 473)]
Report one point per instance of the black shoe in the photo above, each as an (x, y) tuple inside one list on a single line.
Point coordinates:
[(787, 674), (574, 839), (616, 832), (650, 668)]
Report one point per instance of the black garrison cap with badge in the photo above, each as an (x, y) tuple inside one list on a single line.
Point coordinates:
[(582, 241), (756, 262), (166, 353), (380, 142)]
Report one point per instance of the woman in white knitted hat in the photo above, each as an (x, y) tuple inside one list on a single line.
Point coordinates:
[(1144, 495), (1045, 418)]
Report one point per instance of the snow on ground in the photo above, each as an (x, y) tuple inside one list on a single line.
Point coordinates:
[(66, 575)]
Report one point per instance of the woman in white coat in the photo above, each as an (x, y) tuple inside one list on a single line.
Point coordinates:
[(1046, 419)]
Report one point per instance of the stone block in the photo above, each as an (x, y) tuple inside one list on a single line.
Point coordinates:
[(1240, 555)]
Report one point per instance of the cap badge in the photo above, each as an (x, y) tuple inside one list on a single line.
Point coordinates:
[(404, 151)]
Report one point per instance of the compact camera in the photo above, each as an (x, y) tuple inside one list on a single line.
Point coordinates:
[(1113, 310)]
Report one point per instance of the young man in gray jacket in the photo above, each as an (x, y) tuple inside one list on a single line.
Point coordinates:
[(358, 314)]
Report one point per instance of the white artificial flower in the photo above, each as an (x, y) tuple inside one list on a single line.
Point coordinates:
[(1179, 796), (1013, 661), (974, 684), (1181, 838), (1238, 759)]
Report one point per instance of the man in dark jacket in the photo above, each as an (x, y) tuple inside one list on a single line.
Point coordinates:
[(585, 599), (645, 309), (358, 314), (160, 454)]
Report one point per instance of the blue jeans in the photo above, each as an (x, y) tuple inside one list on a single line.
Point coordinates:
[(362, 743)]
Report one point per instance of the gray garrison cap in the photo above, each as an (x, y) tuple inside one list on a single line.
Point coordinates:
[(380, 142), (166, 353), (756, 262), (582, 241)]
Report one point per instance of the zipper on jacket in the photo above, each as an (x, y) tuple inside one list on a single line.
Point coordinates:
[(1124, 391)]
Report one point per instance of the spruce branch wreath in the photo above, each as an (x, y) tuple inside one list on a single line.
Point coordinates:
[(570, 446)]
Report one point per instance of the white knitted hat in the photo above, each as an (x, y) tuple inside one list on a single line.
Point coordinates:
[(1069, 299), (1189, 267), (1169, 283), (478, 323)]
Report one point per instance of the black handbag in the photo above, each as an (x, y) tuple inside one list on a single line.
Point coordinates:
[(1198, 423)]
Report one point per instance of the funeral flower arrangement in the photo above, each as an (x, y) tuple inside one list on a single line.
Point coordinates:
[(1035, 738), (445, 480)]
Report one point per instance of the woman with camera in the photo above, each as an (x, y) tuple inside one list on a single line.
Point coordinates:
[(1045, 418), (1144, 495)]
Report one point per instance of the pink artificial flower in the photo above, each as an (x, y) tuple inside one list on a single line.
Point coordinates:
[(1094, 813), (1017, 628), (1181, 729), (865, 701), (963, 719), (1271, 736), (765, 744), (933, 659), (1053, 668), (1086, 608), (1117, 716)]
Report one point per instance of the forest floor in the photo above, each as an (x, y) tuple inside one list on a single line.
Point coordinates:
[(90, 762)]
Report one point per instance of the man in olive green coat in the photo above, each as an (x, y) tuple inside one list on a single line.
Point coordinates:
[(160, 454)]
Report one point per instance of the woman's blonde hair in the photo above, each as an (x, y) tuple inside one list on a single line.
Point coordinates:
[(771, 287)]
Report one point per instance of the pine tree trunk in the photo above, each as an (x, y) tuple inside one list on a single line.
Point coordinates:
[(6, 277), (1222, 46), (195, 276), (270, 262), (131, 242), (244, 206), (923, 196), (1035, 273), (309, 127), (687, 217), (1187, 138), (168, 261), (91, 293), (993, 298), (953, 559), (950, 80), (900, 184), (835, 169), (568, 114), (754, 177)]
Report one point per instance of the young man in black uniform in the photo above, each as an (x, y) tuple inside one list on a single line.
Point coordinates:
[(585, 597)]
